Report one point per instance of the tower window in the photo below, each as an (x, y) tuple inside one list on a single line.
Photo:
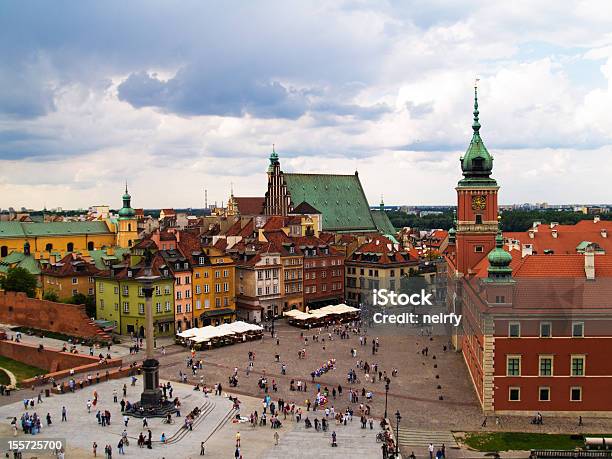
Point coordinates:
[(478, 219), (478, 248), (478, 164)]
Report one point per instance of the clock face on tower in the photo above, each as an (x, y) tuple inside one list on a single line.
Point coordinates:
[(479, 202)]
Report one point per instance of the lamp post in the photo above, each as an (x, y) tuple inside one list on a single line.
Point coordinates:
[(386, 395), (398, 418)]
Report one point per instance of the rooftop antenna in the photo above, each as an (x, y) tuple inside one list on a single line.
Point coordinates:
[(205, 198)]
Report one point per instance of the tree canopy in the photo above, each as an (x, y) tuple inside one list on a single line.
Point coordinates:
[(19, 280)]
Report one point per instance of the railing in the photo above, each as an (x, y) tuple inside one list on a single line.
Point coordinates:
[(537, 453)]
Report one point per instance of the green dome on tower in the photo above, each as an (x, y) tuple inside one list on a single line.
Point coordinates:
[(126, 212), (499, 260), (477, 163)]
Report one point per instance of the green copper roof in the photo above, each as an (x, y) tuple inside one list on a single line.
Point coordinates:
[(499, 259), (339, 198), (17, 229), (477, 163), (382, 222), (19, 260), (99, 256), (126, 211)]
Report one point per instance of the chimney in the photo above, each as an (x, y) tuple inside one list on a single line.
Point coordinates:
[(526, 249), (604, 232), (531, 233), (555, 233), (596, 219), (553, 224), (589, 263)]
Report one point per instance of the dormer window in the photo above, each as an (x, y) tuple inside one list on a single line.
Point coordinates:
[(478, 164)]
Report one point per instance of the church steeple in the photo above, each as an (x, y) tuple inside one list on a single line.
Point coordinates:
[(126, 211), (477, 163)]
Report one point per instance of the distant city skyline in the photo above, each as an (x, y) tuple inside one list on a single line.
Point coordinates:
[(176, 100)]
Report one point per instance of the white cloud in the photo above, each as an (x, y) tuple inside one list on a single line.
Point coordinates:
[(386, 87)]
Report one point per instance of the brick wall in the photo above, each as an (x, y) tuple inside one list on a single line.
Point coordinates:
[(17, 309), (56, 363)]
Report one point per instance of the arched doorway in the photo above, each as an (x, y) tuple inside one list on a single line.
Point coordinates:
[(3, 251), (70, 247), (90, 245), (141, 332), (49, 247)]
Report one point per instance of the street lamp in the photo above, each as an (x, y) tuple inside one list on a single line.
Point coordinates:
[(386, 395), (398, 418)]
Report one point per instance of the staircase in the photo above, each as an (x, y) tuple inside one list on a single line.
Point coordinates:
[(308, 443), (422, 438)]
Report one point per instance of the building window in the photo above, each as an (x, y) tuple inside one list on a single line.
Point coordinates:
[(90, 291), (217, 302), (217, 274), (576, 394), (259, 291), (546, 365), (206, 288), (514, 394), (225, 273), (198, 289), (168, 308), (197, 275), (225, 287), (217, 288), (126, 307), (578, 365), (578, 329), (198, 304), (513, 365), (101, 303), (179, 309), (478, 248), (514, 330), (545, 329), (126, 290), (75, 280), (201, 260), (167, 290), (101, 288), (544, 394), (158, 307), (479, 219), (91, 280), (140, 308), (179, 295)]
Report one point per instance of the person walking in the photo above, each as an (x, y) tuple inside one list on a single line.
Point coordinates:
[(431, 451), (334, 444), (94, 447), (64, 414), (202, 449), (276, 436), (238, 439)]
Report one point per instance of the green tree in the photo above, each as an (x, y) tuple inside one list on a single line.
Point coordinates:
[(51, 296), (87, 300), (19, 280)]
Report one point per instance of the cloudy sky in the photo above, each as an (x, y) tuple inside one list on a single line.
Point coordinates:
[(179, 96)]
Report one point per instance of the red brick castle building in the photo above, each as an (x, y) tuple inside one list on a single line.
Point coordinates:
[(537, 322)]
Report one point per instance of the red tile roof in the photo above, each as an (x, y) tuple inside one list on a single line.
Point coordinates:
[(250, 205), (567, 236)]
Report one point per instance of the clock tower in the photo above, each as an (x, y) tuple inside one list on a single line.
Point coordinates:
[(477, 210)]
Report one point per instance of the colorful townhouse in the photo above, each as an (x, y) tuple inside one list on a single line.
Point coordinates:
[(213, 282), (180, 268), (71, 275), (120, 298)]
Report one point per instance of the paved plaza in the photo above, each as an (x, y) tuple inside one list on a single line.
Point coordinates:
[(433, 395)]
